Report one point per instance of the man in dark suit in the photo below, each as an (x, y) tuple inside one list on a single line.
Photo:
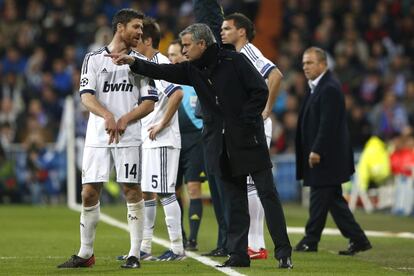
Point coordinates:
[(324, 158), (232, 95)]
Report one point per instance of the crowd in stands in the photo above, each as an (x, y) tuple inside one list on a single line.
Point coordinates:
[(42, 44)]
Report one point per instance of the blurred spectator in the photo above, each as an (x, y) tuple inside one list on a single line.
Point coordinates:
[(13, 62), (402, 158), (397, 75), (102, 37), (373, 167), (408, 101), (376, 29), (349, 76), (370, 89), (286, 141), (388, 117), (62, 79), (7, 133), (359, 127), (9, 24), (9, 191), (34, 71), (85, 25), (12, 89)]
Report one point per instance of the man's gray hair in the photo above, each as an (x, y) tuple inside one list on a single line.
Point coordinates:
[(320, 53), (199, 32)]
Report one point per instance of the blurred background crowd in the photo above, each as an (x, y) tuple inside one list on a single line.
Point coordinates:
[(42, 45)]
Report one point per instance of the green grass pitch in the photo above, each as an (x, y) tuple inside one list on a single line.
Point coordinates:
[(33, 240)]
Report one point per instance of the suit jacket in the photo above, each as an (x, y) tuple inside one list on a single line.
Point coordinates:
[(232, 95), (322, 128)]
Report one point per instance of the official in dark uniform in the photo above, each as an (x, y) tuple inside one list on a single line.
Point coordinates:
[(324, 158), (232, 95)]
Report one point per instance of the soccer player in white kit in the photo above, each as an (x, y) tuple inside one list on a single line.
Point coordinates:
[(238, 30), (117, 100), (161, 151)]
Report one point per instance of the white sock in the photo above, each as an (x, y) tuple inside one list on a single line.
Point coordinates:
[(173, 221), (256, 212), (135, 224), (88, 221), (150, 211)]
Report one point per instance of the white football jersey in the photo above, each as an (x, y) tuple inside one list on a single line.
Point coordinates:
[(170, 135), (119, 90), (262, 64)]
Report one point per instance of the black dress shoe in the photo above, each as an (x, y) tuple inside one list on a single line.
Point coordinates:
[(285, 262), (303, 247), (218, 252), (354, 248), (235, 262)]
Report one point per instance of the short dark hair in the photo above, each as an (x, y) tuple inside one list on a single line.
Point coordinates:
[(124, 16), (242, 22), (151, 30)]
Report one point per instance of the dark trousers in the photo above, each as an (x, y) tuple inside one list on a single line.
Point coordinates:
[(220, 204), (220, 209), (236, 190), (330, 199)]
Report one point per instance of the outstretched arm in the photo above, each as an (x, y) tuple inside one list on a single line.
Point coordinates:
[(175, 73)]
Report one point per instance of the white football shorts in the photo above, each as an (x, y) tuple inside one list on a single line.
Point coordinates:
[(268, 130), (159, 169), (97, 164)]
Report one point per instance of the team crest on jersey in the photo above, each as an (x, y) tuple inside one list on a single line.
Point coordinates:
[(259, 64), (84, 82)]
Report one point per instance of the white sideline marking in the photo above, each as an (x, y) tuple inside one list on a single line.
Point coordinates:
[(370, 233), (204, 260)]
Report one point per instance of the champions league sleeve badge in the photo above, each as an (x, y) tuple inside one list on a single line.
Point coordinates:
[(84, 82)]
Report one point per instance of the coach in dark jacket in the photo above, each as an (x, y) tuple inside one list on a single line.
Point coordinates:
[(232, 95), (324, 158)]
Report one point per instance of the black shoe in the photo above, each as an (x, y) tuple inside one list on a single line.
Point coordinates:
[(303, 247), (285, 262), (191, 245), (234, 261), (76, 261), (218, 252), (131, 262), (354, 248)]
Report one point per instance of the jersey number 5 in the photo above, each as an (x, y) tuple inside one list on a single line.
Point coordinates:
[(154, 180)]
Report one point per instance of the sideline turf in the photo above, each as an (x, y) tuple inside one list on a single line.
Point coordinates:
[(33, 240)]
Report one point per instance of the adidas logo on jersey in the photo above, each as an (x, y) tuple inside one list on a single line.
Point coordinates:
[(104, 71), (114, 87)]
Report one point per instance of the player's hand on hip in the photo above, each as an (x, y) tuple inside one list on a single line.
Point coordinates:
[(314, 159), (121, 59), (265, 114)]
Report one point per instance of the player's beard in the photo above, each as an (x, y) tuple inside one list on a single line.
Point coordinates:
[(133, 40)]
